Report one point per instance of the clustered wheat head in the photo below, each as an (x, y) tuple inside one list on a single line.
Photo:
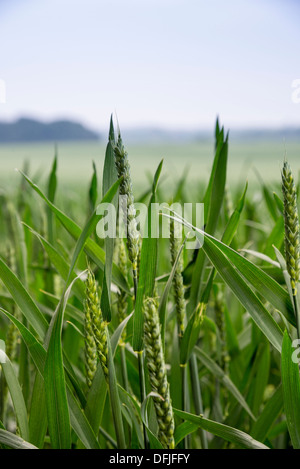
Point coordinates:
[(123, 169), (157, 373), (99, 326), (292, 232), (90, 347), (177, 279)]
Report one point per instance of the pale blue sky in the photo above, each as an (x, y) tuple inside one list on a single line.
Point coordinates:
[(170, 63)]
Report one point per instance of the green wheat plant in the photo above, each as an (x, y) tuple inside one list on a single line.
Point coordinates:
[(109, 345)]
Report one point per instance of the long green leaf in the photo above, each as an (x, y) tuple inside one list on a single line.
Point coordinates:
[(60, 264), (154, 442), (245, 295), (90, 227), (231, 434), (93, 191), (55, 385), (17, 397), (110, 177), (14, 441), (183, 430), (219, 373), (227, 238), (92, 249), (217, 253), (38, 354), (191, 334), (213, 201), (23, 300), (291, 390), (147, 269), (268, 417), (52, 184)]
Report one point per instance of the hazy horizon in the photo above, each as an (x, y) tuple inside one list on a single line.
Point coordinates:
[(26, 130)]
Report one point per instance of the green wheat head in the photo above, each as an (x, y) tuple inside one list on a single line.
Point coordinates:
[(99, 326), (123, 169), (157, 373), (90, 347), (291, 221)]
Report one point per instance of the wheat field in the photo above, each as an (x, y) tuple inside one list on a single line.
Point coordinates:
[(140, 342)]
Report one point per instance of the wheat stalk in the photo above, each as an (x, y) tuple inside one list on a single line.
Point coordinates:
[(121, 261)]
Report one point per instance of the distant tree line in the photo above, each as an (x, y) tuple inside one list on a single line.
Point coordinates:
[(29, 130)]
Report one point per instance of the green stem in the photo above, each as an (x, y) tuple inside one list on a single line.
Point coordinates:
[(197, 396), (124, 367), (143, 391), (296, 310), (108, 438), (184, 395), (135, 282), (115, 401)]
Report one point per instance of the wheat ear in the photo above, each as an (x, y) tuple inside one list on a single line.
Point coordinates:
[(291, 222), (178, 286), (123, 169), (90, 347), (99, 326), (292, 233), (157, 374)]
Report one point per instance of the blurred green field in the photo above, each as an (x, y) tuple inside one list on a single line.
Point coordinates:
[(75, 160), (213, 350)]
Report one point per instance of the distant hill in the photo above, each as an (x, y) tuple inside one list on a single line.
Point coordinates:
[(30, 130)]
